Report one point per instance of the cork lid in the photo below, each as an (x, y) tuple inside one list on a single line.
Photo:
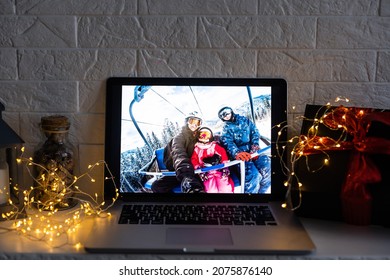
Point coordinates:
[(55, 123)]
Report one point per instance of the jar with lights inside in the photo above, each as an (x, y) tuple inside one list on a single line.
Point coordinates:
[(54, 166)]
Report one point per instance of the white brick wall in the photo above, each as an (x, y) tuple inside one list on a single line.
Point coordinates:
[(56, 55)]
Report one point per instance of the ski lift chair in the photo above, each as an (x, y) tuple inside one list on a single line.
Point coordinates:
[(158, 163)]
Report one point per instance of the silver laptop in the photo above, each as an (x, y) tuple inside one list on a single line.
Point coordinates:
[(231, 203)]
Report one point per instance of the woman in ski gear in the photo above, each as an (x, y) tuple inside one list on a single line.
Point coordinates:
[(177, 157)]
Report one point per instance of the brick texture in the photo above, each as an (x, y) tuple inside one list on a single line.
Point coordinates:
[(56, 55)]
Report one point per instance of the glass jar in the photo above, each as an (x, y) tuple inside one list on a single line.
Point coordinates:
[(54, 164)]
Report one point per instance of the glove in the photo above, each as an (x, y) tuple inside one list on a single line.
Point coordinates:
[(204, 176), (243, 156), (254, 148), (225, 172), (213, 160), (191, 185)]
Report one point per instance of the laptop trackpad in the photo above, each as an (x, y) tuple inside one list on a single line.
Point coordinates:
[(199, 236)]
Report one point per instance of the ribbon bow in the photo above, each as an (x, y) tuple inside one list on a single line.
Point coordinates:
[(356, 123)]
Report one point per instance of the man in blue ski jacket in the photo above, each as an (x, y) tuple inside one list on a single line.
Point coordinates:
[(240, 137)]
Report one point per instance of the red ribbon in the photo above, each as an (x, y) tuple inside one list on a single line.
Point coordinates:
[(356, 123)]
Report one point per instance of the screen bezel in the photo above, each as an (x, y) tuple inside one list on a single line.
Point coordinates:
[(113, 135)]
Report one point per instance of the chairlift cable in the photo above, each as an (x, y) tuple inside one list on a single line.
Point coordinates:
[(196, 100), (139, 92), (166, 100)]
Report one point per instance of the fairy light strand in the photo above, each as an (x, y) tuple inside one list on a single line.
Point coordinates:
[(298, 144), (44, 221)]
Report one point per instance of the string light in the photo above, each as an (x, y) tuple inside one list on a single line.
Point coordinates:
[(302, 143), (44, 221), (341, 99)]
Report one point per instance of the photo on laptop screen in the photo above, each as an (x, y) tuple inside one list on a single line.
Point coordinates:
[(152, 115), (231, 119)]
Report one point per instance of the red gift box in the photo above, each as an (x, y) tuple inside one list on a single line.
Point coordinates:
[(341, 157)]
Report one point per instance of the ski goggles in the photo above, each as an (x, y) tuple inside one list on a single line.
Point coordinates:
[(225, 112), (204, 136), (195, 121)]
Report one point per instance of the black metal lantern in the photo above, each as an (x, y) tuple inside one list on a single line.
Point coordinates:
[(8, 167)]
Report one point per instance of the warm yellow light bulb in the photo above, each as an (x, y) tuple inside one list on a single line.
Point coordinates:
[(78, 246)]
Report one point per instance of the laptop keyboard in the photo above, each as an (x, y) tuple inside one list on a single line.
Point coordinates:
[(197, 215)]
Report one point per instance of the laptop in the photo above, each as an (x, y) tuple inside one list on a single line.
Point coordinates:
[(142, 116)]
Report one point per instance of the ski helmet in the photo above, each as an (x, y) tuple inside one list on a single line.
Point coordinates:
[(194, 116), (224, 112)]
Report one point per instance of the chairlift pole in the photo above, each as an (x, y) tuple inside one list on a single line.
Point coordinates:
[(251, 103), (139, 93), (265, 140)]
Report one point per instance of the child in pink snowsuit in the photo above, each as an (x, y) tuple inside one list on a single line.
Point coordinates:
[(206, 153)]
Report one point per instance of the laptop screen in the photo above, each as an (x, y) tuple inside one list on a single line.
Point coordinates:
[(225, 128)]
